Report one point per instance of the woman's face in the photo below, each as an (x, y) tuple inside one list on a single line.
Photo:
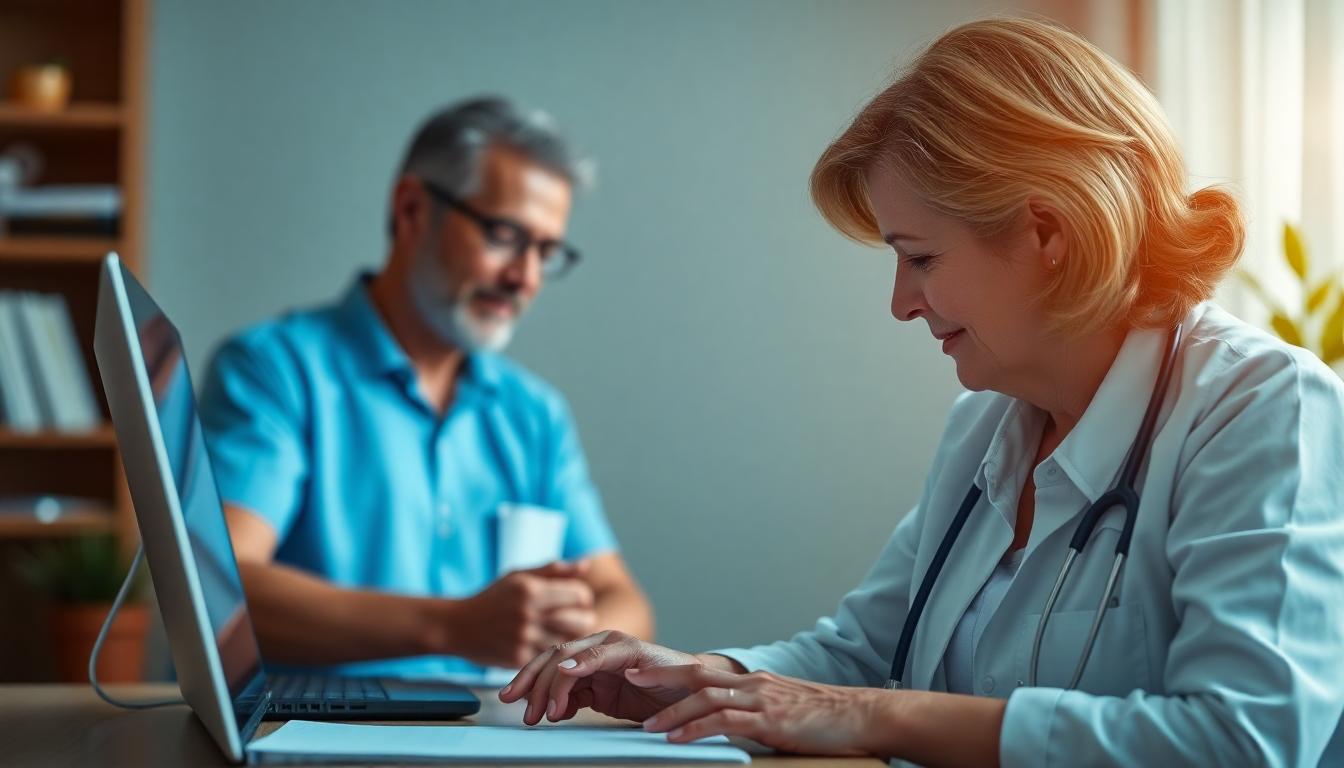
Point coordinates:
[(977, 296)]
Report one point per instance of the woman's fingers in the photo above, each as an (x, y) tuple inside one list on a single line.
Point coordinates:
[(580, 698), (724, 722), (701, 705), (525, 681), (690, 676), (605, 651), (604, 657)]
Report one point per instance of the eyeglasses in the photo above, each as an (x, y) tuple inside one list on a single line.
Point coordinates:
[(557, 256)]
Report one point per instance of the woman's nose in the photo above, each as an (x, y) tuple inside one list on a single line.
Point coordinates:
[(907, 296)]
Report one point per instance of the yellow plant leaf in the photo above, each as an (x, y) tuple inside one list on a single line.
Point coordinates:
[(1332, 335), (1319, 296), (1294, 252), (1287, 329)]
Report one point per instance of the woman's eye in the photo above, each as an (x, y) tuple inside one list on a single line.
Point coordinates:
[(920, 261)]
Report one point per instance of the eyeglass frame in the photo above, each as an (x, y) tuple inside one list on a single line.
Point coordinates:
[(547, 249)]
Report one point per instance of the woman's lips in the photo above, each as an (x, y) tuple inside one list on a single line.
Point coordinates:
[(951, 340)]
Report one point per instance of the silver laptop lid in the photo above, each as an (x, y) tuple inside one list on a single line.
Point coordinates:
[(177, 505)]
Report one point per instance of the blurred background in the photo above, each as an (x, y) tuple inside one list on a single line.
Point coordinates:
[(755, 419)]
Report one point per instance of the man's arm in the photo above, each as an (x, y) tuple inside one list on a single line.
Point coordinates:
[(502, 625), (620, 602), (291, 607)]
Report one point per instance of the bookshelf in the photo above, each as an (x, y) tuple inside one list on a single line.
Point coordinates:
[(98, 138)]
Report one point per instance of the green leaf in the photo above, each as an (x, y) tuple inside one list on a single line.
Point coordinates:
[(1319, 295), (1332, 335), (1294, 252), (1287, 329)]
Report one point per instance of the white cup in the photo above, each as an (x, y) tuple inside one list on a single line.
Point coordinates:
[(529, 536)]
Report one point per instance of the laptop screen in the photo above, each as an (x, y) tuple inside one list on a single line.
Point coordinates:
[(165, 368)]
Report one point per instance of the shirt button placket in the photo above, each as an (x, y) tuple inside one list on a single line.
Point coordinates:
[(443, 514)]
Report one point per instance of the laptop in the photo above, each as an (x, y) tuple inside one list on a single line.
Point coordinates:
[(191, 562)]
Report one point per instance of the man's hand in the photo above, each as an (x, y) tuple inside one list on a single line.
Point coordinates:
[(522, 614)]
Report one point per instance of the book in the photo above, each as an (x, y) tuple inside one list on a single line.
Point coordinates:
[(26, 309), (22, 412), (75, 397)]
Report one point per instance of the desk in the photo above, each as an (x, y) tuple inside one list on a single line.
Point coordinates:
[(67, 725)]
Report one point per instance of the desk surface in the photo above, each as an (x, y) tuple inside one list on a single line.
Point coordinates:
[(67, 725)]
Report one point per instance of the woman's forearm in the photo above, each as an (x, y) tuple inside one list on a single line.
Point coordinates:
[(936, 729)]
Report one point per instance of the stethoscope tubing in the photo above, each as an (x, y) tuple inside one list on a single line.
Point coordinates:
[(1123, 494)]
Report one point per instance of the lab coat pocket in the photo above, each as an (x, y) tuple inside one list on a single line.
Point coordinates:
[(1119, 660)]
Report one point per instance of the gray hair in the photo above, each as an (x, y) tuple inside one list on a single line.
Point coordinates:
[(448, 147)]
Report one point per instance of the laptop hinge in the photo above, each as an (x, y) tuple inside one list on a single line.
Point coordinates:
[(249, 728)]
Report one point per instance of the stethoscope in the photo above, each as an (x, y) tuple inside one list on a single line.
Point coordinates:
[(1121, 494)]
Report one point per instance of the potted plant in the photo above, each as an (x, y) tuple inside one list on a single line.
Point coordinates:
[(42, 85), (81, 576), (1319, 323)]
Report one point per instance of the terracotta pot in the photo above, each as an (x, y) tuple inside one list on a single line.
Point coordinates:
[(75, 627), (44, 87)]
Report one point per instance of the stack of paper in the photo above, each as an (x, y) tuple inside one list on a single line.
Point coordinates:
[(44, 383), (348, 742)]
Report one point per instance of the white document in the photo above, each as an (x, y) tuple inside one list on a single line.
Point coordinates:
[(482, 743), (529, 536)]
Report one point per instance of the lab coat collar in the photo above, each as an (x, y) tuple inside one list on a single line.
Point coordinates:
[(973, 558)]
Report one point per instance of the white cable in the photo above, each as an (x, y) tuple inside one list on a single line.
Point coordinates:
[(102, 635)]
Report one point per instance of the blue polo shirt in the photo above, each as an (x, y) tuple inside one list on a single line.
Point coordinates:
[(315, 422)]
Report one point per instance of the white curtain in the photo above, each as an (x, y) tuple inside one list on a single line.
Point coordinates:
[(1255, 92)]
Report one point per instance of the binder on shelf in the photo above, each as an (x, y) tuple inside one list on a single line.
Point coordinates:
[(40, 360), (22, 413), (27, 312), (81, 406)]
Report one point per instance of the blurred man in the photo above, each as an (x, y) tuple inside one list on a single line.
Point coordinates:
[(364, 450)]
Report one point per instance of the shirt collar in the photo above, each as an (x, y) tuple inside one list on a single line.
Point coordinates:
[(1093, 452), (1010, 454), (377, 351)]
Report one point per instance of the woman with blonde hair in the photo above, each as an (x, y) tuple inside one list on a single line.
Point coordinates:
[(1130, 546)]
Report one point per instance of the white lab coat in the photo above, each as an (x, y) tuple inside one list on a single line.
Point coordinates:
[(1226, 643)]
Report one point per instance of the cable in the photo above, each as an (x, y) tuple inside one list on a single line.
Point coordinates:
[(102, 635)]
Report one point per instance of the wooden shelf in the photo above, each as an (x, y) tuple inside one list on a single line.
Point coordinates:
[(77, 115), (78, 249), (102, 437), (72, 523)]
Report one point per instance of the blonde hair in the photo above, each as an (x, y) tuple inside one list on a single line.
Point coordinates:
[(998, 111)]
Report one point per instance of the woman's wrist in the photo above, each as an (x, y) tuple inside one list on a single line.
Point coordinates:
[(883, 714)]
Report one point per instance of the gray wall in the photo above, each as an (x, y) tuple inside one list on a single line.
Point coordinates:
[(757, 421)]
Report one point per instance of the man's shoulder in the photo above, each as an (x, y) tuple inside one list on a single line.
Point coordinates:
[(291, 338), (519, 387)]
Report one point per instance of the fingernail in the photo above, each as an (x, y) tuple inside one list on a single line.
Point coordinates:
[(505, 690), (634, 671), (674, 734), (527, 716), (568, 664), (651, 723), (550, 709)]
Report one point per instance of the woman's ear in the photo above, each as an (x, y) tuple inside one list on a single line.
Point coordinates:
[(1048, 233)]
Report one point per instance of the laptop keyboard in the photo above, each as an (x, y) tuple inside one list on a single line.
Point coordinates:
[(314, 688)]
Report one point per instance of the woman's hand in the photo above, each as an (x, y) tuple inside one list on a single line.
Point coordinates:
[(590, 672), (784, 713)]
